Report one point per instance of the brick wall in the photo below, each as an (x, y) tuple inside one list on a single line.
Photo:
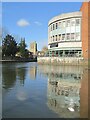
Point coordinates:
[(85, 8), (89, 31)]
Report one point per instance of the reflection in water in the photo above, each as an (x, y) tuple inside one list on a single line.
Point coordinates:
[(21, 95), (8, 76), (64, 96), (21, 73), (33, 72), (67, 90), (84, 94)]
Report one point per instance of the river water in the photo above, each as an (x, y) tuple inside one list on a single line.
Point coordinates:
[(43, 91)]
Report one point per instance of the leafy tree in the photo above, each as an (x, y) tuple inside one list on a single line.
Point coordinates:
[(26, 53), (22, 49), (9, 46)]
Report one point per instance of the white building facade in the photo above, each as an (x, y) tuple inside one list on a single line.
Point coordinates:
[(64, 35)]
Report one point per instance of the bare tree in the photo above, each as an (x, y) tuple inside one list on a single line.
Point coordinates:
[(44, 49)]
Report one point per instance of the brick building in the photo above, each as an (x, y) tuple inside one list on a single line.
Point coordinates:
[(85, 9)]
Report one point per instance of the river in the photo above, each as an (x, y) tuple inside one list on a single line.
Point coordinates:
[(44, 91)]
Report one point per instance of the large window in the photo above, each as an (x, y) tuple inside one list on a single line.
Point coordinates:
[(78, 36), (63, 23), (53, 27), (53, 38), (72, 36), (68, 36), (56, 37), (59, 36), (60, 24), (77, 22), (63, 36), (68, 23), (56, 25), (73, 22)]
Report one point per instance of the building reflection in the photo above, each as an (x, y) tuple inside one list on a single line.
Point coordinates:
[(32, 72), (64, 94), (67, 90)]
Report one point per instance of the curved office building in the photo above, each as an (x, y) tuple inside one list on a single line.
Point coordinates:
[(64, 35)]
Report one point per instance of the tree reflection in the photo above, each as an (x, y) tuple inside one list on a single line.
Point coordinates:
[(21, 73), (8, 76), (10, 73)]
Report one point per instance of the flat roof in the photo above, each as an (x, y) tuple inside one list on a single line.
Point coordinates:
[(65, 16)]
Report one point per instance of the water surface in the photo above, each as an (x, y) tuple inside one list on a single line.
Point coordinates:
[(44, 91)]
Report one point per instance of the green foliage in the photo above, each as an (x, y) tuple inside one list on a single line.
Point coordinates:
[(26, 53), (22, 49), (9, 46)]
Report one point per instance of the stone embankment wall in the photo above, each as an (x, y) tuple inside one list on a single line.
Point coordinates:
[(62, 60)]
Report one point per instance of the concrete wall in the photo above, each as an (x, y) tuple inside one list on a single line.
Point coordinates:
[(62, 60)]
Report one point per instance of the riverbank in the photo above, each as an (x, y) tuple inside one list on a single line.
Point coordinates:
[(62, 61), (19, 60)]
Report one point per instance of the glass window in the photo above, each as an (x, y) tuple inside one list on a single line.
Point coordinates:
[(77, 36), (77, 22), (63, 23), (53, 38), (53, 27), (56, 25), (68, 36), (59, 36), (60, 24), (56, 37), (72, 36), (63, 36), (73, 22), (68, 23)]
